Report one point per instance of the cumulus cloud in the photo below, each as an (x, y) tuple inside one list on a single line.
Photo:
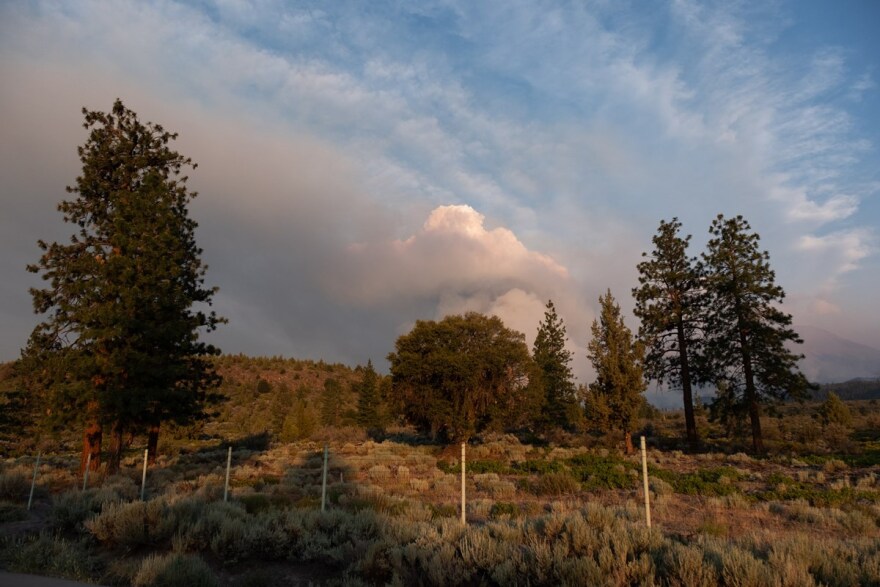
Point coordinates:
[(457, 264), (318, 128), (839, 251), (455, 259)]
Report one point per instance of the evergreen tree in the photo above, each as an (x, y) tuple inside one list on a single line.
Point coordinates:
[(331, 402), (747, 333), (120, 345), (300, 423), (618, 360), (553, 360), (669, 303), (368, 398)]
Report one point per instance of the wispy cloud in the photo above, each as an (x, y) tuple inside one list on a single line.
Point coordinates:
[(572, 128)]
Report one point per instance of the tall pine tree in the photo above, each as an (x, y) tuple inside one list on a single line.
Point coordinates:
[(120, 343), (747, 333), (669, 304), (368, 399), (561, 408), (618, 360)]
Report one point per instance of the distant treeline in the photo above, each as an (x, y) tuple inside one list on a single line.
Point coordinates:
[(853, 389)]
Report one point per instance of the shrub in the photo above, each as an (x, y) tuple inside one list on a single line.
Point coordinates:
[(10, 512), (174, 570), (14, 487), (72, 508), (133, 523), (443, 510), (501, 510), (557, 484), (540, 467), (706, 482), (601, 472), (683, 566), (47, 555)]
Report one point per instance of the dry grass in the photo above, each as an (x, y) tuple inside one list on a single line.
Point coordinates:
[(543, 515)]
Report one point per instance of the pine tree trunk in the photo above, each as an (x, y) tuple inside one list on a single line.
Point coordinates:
[(91, 446), (627, 437), (754, 410), (751, 397), (751, 394), (117, 446), (152, 444), (685, 369)]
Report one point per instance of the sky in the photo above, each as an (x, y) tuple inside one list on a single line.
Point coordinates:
[(363, 165)]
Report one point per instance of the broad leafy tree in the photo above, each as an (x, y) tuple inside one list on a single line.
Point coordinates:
[(561, 409), (618, 359), (126, 301), (464, 374), (669, 304), (747, 333)]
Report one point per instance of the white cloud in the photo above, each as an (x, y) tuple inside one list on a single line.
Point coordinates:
[(562, 125), (840, 251), (453, 252)]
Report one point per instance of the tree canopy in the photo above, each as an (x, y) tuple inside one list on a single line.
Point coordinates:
[(561, 407), (618, 360), (369, 399), (464, 374), (747, 334), (125, 299), (670, 304)]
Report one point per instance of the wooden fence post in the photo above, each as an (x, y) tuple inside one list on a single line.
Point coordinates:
[(228, 465), (144, 476), (645, 476), (463, 499), (34, 480), (324, 482), (86, 474)]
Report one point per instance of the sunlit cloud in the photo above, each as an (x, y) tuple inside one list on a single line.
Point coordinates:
[(364, 168)]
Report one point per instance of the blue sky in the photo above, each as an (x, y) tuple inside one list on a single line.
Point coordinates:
[(366, 164)]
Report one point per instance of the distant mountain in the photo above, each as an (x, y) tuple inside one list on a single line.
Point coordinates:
[(830, 358)]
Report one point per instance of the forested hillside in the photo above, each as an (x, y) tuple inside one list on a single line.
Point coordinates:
[(283, 398)]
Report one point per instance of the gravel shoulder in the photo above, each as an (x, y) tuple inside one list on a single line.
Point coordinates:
[(19, 580)]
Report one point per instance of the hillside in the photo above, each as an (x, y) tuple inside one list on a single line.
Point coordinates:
[(830, 358), (280, 396)]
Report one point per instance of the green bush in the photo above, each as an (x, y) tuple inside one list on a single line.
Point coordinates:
[(540, 467), (557, 484), (47, 555), (72, 508), (132, 524), (503, 509), (498, 467), (14, 487), (705, 482), (11, 512), (174, 570), (598, 472), (443, 510)]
